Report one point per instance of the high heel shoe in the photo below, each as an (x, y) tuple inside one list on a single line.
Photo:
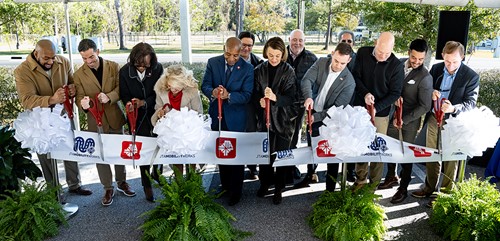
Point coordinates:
[(277, 198)]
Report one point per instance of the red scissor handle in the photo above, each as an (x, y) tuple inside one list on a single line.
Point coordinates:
[(371, 111), (399, 113), (68, 103), (219, 105), (131, 110), (309, 119), (268, 112), (95, 110), (439, 114)]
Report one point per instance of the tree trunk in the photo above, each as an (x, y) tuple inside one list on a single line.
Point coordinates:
[(120, 24), (329, 27)]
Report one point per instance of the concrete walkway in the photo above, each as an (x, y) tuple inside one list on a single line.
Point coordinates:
[(120, 221)]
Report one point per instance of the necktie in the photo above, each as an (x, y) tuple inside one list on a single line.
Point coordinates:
[(228, 72)]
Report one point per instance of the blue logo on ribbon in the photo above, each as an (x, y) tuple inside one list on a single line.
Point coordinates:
[(284, 154), (83, 145), (379, 144), (265, 145)]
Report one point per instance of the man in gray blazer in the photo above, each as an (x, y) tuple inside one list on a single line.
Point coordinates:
[(416, 97), (459, 84), (328, 83)]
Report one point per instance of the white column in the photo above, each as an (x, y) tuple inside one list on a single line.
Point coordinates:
[(185, 32)]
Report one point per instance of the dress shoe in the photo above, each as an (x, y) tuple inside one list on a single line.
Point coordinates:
[(234, 199), (420, 194), (277, 198), (108, 197), (262, 191), (400, 196), (148, 192), (308, 179), (125, 189), (389, 183), (81, 191)]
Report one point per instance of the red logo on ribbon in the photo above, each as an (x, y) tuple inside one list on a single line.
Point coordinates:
[(324, 149), (419, 151), (128, 150), (225, 148)]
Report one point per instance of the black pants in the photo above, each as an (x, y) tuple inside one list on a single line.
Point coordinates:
[(231, 176), (332, 170), (266, 172), (146, 182)]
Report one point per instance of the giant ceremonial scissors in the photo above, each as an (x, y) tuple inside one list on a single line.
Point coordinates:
[(97, 110)]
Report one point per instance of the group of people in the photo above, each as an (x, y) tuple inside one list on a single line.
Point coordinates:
[(290, 81)]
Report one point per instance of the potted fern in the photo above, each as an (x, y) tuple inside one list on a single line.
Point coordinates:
[(33, 214), (15, 162), (348, 215), (471, 211), (188, 213)]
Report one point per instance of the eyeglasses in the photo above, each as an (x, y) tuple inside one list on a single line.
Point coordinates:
[(346, 41), (247, 45)]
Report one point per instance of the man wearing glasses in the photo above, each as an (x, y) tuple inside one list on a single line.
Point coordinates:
[(247, 41), (347, 36)]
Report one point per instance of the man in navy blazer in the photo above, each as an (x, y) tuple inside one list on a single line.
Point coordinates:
[(328, 83), (459, 84), (232, 77)]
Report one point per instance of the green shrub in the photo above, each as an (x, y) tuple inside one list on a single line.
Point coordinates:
[(489, 90), (470, 212), (33, 214), (15, 162), (188, 213), (348, 215), (9, 102)]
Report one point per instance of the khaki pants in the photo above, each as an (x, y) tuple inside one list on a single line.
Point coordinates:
[(70, 167), (376, 168), (104, 170), (433, 169)]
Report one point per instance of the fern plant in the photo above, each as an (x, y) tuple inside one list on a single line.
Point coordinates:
[(188, 213), (15, 162), (33, 214), (348, 215), (471, 211)]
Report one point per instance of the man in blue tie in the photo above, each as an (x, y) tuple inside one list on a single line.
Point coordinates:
[(232, 77)]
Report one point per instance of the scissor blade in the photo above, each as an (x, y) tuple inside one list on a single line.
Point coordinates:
[(99, 133), (133, 150), (440, 144), (401, 140)]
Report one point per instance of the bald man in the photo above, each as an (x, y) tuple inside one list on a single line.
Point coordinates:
[(379, 78), (39, 82), (232, 77)]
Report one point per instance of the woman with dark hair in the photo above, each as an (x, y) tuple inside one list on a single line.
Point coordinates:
[(137, 80), (275, 80)]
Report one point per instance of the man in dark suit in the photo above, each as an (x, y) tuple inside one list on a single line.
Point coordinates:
[(328, 83), (247, 42), (232, 77), (416, 97), (459, 84), (301, 60)]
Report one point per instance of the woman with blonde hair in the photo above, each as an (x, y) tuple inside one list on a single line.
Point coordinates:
[(177, 88)]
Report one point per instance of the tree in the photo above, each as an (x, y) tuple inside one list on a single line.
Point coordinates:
[(264, 17), (120, 24), (410, 21), (20, 18)]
